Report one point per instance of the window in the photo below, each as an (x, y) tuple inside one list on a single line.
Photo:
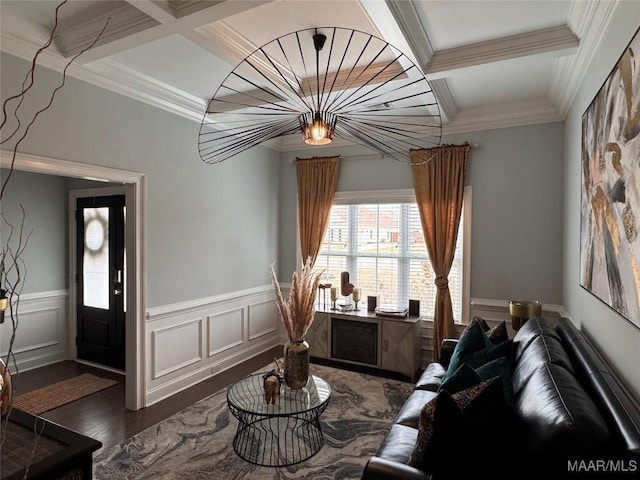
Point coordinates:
[(380, 243)]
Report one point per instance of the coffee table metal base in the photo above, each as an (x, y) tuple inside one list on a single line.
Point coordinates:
[(277, 441)]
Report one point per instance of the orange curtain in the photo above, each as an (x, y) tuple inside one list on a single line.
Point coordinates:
[(438, 178), (317, 183)]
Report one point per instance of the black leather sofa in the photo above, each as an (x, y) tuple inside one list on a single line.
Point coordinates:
[(552, 361)]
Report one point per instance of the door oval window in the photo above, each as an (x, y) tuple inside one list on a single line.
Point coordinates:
[(95, 235)]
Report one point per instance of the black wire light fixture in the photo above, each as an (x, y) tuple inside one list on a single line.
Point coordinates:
[(323, 83)]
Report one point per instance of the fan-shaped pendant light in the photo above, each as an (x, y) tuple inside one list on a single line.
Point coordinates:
[(362, 89)]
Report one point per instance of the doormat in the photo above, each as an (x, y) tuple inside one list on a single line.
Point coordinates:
[(61, 393)]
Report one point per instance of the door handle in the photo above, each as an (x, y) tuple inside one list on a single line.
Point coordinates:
[(117, 290)]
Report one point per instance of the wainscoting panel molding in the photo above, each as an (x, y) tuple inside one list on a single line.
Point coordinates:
[(225, 330), (176, 347), (41, 338), (260, 315), (191, 341)]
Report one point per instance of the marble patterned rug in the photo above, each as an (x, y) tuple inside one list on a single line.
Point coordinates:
[(196, 443)]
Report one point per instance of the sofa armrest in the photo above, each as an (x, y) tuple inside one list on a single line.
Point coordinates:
[(380, 469), (446, 350)]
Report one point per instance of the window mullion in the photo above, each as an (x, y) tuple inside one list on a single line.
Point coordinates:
[(352, 246), (403, 261)]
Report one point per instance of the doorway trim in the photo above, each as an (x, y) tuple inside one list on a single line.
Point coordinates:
[(133, 185)]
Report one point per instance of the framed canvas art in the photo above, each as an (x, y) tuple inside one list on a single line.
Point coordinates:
[(610, 204)]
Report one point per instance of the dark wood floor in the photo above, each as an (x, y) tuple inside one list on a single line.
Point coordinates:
[(103, 416)]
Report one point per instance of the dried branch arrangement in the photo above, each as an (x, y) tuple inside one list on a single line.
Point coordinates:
[(298, 310), (12, 266)]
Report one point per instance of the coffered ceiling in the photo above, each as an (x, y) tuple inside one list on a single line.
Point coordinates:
[(490, 63)]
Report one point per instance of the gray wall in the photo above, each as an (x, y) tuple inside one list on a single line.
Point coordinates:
[(209, 229), (44, 199), (516, 179), (616, 338)]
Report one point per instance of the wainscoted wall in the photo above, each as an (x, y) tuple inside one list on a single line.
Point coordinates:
[(493, 311), (42, 330), (190, 341)]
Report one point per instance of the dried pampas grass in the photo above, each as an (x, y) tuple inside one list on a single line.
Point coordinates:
[(298, 310)]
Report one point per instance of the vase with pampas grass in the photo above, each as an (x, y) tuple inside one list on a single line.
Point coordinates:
[(297, 313)]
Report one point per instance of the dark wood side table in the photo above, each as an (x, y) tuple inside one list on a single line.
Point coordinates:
[(61, 454)]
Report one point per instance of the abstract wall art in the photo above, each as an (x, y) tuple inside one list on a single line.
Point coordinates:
[(610, 215)]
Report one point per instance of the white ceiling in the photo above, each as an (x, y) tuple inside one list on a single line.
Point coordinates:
[(491, 64)]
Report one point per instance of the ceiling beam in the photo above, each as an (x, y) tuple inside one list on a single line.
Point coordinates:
[(551, 42), (159, 10), (150, 20), (408, 21)]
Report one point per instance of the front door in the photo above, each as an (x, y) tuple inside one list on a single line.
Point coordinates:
[(100, 277)]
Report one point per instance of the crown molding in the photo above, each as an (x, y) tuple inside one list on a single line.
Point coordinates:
[(226, 42), (513, 114), (109, 75), (446, 103), (591, 22)]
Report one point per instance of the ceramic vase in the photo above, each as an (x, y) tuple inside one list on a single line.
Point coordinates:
[(296, 364)]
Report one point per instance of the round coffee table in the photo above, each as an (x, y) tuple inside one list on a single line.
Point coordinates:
[(286, 433)]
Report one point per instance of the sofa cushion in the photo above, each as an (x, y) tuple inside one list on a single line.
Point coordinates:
[(542, 349), (431, 378), (558, 417), (410, 411), (398, 444), (533, 328)]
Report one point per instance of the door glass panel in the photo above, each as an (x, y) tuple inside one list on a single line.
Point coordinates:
[(96, 257)]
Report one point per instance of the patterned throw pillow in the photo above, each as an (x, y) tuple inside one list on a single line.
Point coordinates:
[(447, 420), (498, 334), (438, 418)]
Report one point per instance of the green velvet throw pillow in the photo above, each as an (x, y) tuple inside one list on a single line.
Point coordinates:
[(464, 377), (472, 339), (500, 367)]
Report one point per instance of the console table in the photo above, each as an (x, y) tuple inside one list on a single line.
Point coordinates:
[(61, 454), (385, 343)]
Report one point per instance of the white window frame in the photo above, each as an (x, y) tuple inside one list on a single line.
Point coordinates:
[(407, 195)]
